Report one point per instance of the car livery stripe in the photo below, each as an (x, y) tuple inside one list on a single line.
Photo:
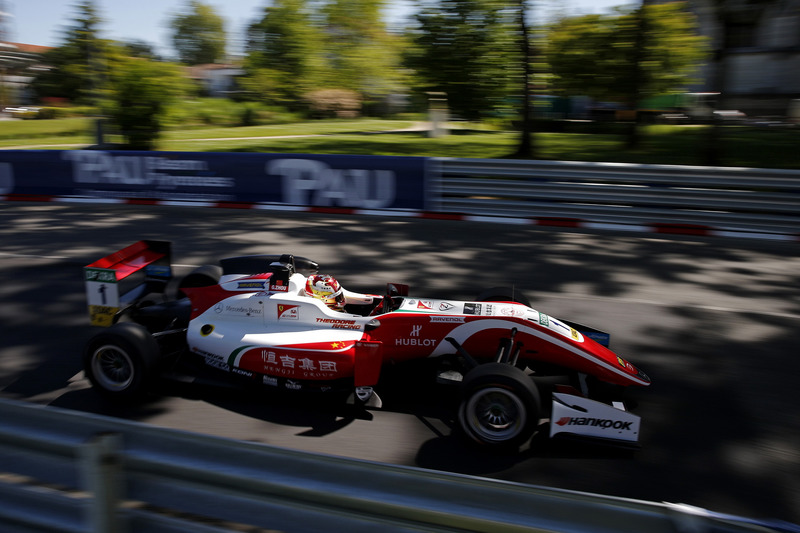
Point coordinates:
[(465, 331), (236, 355)]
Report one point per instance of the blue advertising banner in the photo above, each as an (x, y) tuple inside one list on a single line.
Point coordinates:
[(359, 182)]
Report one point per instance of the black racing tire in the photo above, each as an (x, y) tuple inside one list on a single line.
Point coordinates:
[(503, 294), (500, 406), (204, 276), (120, 362)]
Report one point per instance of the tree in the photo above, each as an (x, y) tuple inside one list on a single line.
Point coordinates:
[(360, 54), (198, 34), (141, 49), (465, 48), (525, 148), (298, 47), (77, 67), (141, 92), (598, 56), (283, 53)]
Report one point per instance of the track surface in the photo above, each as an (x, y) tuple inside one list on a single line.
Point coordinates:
[(714, 323)]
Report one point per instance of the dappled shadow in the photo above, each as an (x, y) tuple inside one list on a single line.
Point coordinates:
[(713, 322)]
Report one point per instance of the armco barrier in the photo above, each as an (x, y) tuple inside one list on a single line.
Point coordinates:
[(65, 471), (738, 202), (661, 198)]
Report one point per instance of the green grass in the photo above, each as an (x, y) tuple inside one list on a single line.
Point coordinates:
[(45, 132), (322, 127), (674, 145)]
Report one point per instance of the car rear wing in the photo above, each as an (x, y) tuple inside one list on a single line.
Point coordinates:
[(118, 279)]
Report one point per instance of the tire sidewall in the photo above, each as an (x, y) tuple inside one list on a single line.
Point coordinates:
[(136, 346), (508, 380)]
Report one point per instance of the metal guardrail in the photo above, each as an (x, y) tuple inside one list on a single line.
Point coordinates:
[(764, 202), (65, 471), (735, 199)]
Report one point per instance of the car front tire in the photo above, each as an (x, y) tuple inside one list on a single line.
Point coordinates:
[(500, 406)]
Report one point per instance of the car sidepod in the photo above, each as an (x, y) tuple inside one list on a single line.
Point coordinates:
[(283, 338)]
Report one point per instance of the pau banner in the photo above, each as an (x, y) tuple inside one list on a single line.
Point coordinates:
[(358, 182)]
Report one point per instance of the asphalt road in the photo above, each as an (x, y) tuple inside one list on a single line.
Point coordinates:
[(714, 322)]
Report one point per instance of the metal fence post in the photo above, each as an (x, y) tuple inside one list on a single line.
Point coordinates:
[(101, 468)]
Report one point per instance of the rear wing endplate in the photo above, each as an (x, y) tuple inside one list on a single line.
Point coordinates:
[(118, 279)]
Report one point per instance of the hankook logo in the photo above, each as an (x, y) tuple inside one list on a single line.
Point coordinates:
[(604, 423)]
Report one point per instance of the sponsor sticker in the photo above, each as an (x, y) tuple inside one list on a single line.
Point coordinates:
[(447, 320), (604, 423), (240, 310), (100, 274), (511, 311), (101, 315), (251, 285), (337, 323), (415, 338), (288, 312), (472, 309), (284, 364)]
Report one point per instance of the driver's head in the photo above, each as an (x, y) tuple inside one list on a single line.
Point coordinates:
[(327, 289)]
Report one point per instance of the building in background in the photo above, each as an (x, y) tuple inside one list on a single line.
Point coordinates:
[(19, 64), (756, 53)]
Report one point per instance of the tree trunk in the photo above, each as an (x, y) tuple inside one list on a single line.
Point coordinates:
[(525, 149), (639, 52)]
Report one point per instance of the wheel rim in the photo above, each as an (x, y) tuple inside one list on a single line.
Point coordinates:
[(495, 414), (112, 368)]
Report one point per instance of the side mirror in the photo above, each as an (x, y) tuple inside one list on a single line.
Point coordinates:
[(396, 289)]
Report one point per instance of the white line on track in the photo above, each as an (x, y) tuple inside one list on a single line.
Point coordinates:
[(28, 256)]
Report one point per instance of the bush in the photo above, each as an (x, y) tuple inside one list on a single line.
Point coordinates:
[(142, 90), (221, 112), (46, 113)]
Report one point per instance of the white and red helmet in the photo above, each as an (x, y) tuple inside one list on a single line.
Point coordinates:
[(327, 289)]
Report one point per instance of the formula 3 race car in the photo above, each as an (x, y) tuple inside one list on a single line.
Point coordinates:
[(250, 316)]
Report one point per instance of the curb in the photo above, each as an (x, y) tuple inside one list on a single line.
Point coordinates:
[(655, 227)]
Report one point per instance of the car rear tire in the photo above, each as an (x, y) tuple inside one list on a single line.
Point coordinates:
[(204, 276), (120, 362), (500, 406)]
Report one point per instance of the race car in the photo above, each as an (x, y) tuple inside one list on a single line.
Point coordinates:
[(260, 318)]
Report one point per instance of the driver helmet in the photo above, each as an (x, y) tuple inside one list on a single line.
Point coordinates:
[(327, 289)]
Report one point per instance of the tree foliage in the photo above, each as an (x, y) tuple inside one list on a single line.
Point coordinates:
[(360, 54), (597, 55), (78, 66), (141, 91), (299, 46), (198, 34), (283, 52), (466, 49)]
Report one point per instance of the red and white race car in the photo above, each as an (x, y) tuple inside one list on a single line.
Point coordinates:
[(251, 317)]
